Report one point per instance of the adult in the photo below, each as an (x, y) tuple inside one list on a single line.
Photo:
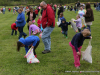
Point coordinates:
[(89, 17), (78, 5), (81, 12), (48, 24), (60, 10), (31, 16), (20, 23)]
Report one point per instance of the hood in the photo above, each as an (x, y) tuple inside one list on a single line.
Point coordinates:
[(64, 19), (22, 40)]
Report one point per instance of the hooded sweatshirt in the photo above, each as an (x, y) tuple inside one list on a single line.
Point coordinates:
[(28, 41), (64, 26)]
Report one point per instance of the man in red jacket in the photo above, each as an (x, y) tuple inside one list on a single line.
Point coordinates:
[(48, 24)]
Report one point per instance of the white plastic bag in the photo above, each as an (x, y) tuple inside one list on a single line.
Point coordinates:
[(74, 25), (86, 55), (59, 22), (30, 57)]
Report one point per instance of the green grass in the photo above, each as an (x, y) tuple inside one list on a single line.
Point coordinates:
[(54, 63)]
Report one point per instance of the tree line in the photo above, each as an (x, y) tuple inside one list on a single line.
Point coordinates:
[(36, 2)]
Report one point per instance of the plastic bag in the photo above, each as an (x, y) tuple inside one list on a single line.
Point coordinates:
[(74, 25), (86, 55), (30, 57), (59, 22)]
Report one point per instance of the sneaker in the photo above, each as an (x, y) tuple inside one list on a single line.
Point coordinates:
[(66, 37), (46, 51), (77, 67)]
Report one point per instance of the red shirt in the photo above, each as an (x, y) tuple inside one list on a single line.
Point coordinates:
[(36, 11), (39, 22), (13, 26), (48, 17)]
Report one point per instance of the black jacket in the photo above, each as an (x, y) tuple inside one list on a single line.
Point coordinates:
[(60, 10), (34, 16), (64, 26)]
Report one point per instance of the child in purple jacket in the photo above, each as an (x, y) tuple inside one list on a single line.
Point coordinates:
[(32, 27), (78, 23)]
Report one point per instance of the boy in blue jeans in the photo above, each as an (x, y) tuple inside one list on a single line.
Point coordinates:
[(64, 26)]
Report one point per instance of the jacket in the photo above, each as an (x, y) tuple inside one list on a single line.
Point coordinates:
[(33, 27), (39, 22), (78, 22), (13, 26), (78, 40), (34, 16), (48, 17), (64, 26), (28, 41), (21, 20), (36, 11), (60, 10), (89, 15)]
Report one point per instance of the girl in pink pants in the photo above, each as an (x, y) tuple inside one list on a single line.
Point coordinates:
[(76, 44)]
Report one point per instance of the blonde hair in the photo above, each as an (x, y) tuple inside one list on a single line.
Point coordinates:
[(29, 23), (86, 32), (78, 16), (20, 9)]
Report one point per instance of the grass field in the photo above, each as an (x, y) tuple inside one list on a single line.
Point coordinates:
[(58, 62)]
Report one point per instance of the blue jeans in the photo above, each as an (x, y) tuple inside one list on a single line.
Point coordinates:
[(64, 32), (20, 29), (3, 12), (88, 26), (55, 14), (46, 37), (13, 32)]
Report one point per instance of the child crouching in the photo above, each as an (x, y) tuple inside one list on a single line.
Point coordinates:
[(32, 41), (76, 45), (32, 27), (14, 28), (64, 26)]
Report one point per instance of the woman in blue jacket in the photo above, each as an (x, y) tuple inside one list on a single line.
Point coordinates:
[(20, 23), (32, 41)]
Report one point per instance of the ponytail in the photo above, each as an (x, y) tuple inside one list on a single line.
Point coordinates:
[(19, 45)]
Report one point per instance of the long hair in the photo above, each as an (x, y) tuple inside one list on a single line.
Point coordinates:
[(88, 6), (19, 45)]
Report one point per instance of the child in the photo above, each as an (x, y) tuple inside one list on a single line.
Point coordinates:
[(14, 28), (32, 41), (61, 17), (76, 45), (39, 21), (36, 12), (34, 28), (64, 26), (78, 23)]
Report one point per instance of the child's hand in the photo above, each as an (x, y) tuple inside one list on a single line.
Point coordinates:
[(78, 53), (32, 46), (90, 37)]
